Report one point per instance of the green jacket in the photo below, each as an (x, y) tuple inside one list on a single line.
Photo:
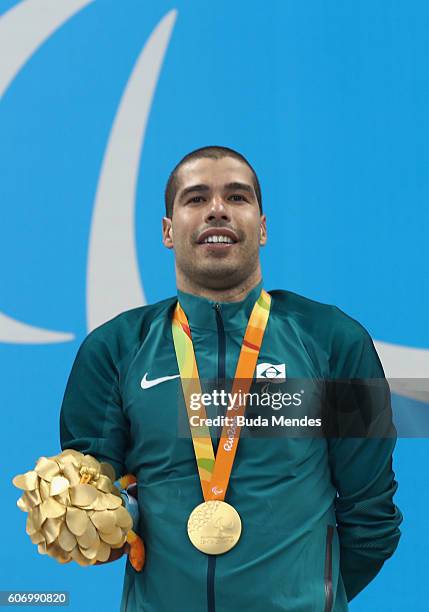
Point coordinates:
[(317, 513)]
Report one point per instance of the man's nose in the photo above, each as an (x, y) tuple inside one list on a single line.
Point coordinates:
[(217, 209)]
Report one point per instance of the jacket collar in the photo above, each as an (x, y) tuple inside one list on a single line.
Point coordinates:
[(201, 312)]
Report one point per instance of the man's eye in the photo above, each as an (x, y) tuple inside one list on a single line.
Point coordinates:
[(237, 197), (196, 199)]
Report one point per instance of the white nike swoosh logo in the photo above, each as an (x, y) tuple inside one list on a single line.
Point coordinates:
[(147, 384)]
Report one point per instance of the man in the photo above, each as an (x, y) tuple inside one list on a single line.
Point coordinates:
[(317, 515)]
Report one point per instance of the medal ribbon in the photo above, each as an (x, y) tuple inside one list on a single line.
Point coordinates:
[(215, 473)]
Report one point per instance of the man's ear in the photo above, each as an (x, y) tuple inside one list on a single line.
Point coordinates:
[(167, 232), (263, 231)]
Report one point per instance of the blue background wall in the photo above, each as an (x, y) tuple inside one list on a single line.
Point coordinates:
[(328, 99)]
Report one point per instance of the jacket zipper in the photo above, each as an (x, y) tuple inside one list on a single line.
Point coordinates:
[(221, 347), (211, 565), (328, 569)]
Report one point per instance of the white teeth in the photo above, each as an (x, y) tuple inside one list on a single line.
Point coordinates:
[(218, 238)]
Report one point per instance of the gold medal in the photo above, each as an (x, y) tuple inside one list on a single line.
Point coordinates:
[(214, 527)]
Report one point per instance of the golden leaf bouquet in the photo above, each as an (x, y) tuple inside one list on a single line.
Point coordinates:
[(75, 512)]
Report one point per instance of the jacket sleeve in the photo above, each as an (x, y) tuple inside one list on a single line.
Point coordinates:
[(361, 459), (92, 420)]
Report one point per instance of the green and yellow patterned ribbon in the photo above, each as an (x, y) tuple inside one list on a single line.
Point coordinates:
[(215, 473)]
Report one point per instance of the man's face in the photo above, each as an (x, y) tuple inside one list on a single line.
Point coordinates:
[(216, 227)]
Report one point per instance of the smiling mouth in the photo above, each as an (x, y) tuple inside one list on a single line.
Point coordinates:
[(218, 241), (218, 238)]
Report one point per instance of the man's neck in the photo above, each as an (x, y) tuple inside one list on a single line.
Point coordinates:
[(229, 294)]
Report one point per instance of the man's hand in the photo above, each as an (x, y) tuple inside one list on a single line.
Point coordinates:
[(115, 554), (135, 550)]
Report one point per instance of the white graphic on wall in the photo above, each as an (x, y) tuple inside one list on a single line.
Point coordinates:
[(113, 279), (407, 369), (18, 42)]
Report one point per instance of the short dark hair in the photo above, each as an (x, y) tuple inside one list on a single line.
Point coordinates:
[(211, 152)]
